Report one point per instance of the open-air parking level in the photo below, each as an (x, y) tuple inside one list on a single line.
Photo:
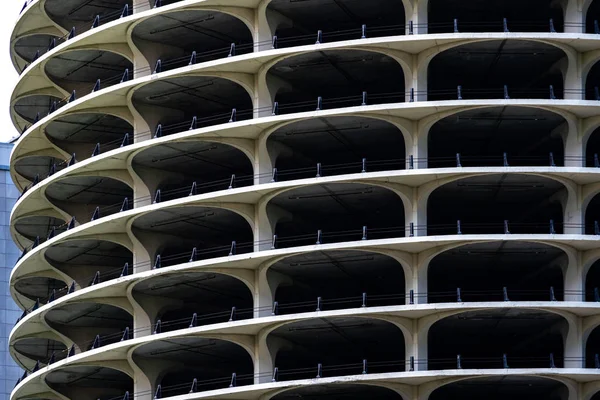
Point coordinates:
[(324, 199)]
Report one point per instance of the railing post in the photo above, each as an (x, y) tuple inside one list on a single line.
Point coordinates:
[(158, 67), (552, 29), (319, 301), (319, 370), (505, 160), (275, 374), (411, 229), (504, 361), (125, 205), (233, 382), (231, 50), (158, 131), (411, 363), (552, 230), (125, 271), (363, 34), (552, 365), (364, 300), (411, 162), (193, 58), (505, 294), (458, 297), (411, 297), (125, 334), (319, 103), (364, 367), (552, 96), (506, 231), (411, 30), (275, 108), (319, 37), (458, 227), (319, 237), (459, 92), (318, 170), (157, 197), (232, 250), (275, 309), (158, 327), (232, 315), (505, 25), (274, 42), (552, 163), (96, 279), (552, 296), (412, 95), (274, 242), (458, 362), (364, 165), (157, 262), (125, 76), (96, 342), (364, 99), (506, 96), (364, 233), (233, 117), (125, 141), (232, 182)]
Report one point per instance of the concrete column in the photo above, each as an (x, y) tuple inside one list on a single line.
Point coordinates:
[(574, 16), (573, 214), (574, 278), (573, 142), (266, 23), (417, 281), (265, 356), (574, 82), (416, 11), (265, 159), (142, 5), (416, 79), (418, 347), (264, 290), (573, 343), (267, 216), (416, 213)]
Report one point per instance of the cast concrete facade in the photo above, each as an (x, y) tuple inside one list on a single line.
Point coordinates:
[(317, 199)]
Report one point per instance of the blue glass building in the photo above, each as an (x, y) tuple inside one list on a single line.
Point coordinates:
[(9, 312)]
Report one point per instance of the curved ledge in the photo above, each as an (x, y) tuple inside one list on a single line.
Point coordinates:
[(402, 48), (405, 248), (253, 327), (250, 196), (401, 114)]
